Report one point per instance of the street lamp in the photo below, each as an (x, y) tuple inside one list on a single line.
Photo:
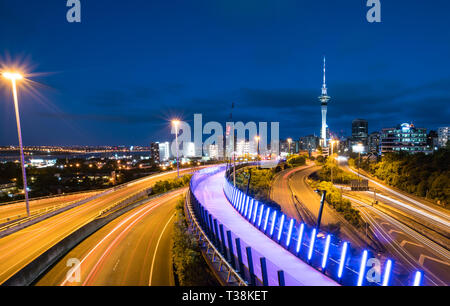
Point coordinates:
[(359, 148), (176, 123), (14, 77), (257, 138), (333, 142)]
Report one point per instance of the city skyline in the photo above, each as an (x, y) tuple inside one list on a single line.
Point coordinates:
[(269, 79)]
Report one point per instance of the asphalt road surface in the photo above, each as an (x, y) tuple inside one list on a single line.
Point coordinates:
[(409, 248), (290, 185), (22, 247), (16, 210), (132, 250)]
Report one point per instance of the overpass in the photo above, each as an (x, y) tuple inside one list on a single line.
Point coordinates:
[(265, 247)]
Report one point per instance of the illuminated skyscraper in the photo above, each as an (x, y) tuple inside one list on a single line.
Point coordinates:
[(324, 98)]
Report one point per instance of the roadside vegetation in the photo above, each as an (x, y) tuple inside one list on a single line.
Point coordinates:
[(330, 171), (260, 184), (261, 179), (337, 202), (164, 186), (189, 265), (423, 175)]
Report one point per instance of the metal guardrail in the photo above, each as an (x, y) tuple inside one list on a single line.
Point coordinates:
[(223, 266)]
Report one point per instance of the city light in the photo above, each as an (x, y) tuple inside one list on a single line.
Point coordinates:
[(176, 123), (12, 76)]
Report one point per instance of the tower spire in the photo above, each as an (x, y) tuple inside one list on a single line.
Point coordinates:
[(324, 86)]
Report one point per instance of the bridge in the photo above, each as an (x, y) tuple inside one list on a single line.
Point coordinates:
[(265, 247)]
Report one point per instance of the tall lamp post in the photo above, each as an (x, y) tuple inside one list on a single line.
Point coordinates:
[(176, 123), (14, 77), (257, 138), (289, 140), (358, 149)]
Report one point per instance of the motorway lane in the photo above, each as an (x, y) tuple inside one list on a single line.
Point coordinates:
[(19, 249), (410, 249), (13, 211), (422, 209), (293, 182), (133, 250), (280, 193)]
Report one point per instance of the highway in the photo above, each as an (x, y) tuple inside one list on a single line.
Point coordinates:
[(20, 248), (420, 209), (18, 210), (410, 249), (132, 250), (297, 199)]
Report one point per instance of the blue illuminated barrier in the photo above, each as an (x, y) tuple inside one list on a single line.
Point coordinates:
[(322, 251), (253, 267)]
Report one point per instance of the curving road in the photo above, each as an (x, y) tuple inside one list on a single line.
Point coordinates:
[(133, 250), (411, 250), (20, 248), (297, 199)]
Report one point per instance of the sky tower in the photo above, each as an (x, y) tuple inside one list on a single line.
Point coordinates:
[(324, 98)]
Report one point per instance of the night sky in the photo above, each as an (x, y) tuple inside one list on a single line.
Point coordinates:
[(130, 66)]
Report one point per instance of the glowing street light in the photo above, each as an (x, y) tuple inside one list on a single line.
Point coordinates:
[(257, 138), (14, 77), (176, 124), (333, 142), (289, 140)]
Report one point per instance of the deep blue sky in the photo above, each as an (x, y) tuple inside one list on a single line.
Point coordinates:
[(117, 77)]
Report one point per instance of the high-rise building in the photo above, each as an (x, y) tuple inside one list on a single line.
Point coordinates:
[(433, 140), (164, 151), (374, 142), (213, 151), (154, 152), (189, 149), (405, 137), (360, 131), (324, 98), (309, 143), (443, 135)]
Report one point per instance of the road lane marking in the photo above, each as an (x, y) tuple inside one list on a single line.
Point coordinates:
[(156, 250), (423, 257), (405, 242), (157, 204)]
